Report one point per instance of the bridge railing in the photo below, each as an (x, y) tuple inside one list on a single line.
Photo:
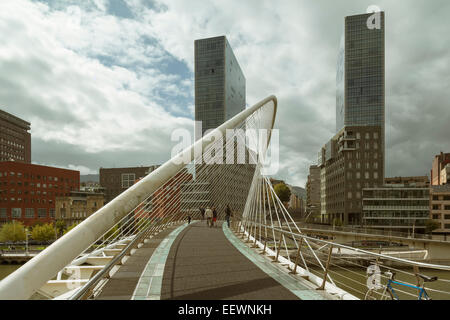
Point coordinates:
[(368, 230), (347, 266)]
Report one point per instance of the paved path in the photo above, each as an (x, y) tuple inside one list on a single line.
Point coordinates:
[(204, 265), (123, 283), (195, 262)]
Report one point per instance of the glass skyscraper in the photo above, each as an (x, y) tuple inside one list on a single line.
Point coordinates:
[(219, 83), (360, 74), (354, 158)]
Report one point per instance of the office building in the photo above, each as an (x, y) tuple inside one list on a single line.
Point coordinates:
[(440, 208), (15, 140), (219, 83), (219, 96), (313, 192), (397, 207), (354, 158), (440, 161), (28, 191), (117, 180)]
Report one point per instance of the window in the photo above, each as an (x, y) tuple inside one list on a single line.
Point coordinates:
[(52, 213), (3, 213), (375, 135), (436, 207), (446, 207), (63, 212), (29, 213), (436, 217), (42, 213), (375, 175), (16, 213), (127, 179), (447, 216), (435, 197), (366, 175)]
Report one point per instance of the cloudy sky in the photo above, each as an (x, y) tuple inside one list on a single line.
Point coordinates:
[(105, 82)]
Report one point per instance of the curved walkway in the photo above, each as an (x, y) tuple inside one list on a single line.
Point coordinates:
[(195, 262), (204, 265)]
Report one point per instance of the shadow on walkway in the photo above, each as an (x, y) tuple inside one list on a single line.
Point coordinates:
[(203, 265)]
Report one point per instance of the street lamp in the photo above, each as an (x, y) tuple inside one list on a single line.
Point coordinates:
[(26, 243)]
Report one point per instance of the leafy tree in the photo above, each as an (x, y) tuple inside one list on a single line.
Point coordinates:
[(45, 232), (337, 222), (111, 234), (431, 225), (71, 227), (60, 227), (12, 231), (283, 192)]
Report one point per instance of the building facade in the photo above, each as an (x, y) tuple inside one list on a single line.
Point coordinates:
[(397, 207), (219, 96), (354, 158), (440, 208), (117, 180), (28, 191), (219, 83), (15, 140), (350, 161), (440, 161), (77, 206), (313, 200)]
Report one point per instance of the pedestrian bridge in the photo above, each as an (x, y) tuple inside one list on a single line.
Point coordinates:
[(140, 246)]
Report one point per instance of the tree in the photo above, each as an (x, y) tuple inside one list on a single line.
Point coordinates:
[(45, 232), (431, 225), (60, 226), (112, 234), (70, 227), (12, 231), (283, 192)]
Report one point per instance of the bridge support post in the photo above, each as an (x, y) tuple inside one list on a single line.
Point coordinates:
[(325, 275), (278, 249), (294, 271)]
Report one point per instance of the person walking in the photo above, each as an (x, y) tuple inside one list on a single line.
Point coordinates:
[(209, 215), (228, 215), (214, 218), (202, 212), (189, 218)]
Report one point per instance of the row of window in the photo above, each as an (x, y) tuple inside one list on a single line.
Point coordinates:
[(440, 207), (16, 213), (26, 200), (35, 177)]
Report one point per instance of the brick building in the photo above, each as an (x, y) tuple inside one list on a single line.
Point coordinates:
[(28, 191), (15, 140), (440, 161), (117, 180), (440, 208)]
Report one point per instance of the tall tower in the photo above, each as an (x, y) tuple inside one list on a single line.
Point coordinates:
[(354, 158), (219, 83), (360, 83)]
